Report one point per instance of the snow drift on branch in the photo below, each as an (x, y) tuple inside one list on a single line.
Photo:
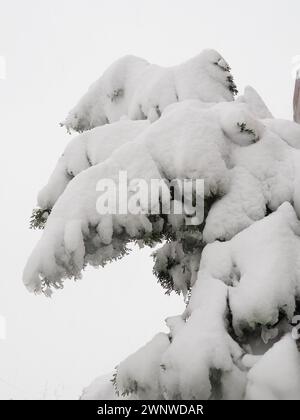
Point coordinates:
[(203, 358), (244, 164), (132, 86), (85, 150)]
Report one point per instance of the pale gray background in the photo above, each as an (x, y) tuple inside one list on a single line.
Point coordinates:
[(54, 50)]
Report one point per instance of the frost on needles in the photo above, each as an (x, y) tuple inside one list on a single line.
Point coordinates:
[(239, 271)]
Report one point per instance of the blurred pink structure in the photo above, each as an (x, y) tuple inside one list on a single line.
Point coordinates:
[(297, 98)]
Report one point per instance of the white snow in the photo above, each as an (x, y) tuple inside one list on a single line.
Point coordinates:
[(261, 266), (240, 271), (255, 103), (286, 130), (239, 208), (55, 256), (107, 99)]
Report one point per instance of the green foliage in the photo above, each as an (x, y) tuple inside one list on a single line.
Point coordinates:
[(151, 239), (163, 367), (133, 387), (131, 390), (190, 237), (232, 86), (244, 129), (114, 381), (158, 111), (38, 218)]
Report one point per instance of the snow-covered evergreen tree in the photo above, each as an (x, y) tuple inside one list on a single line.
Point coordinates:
[(239, 270)]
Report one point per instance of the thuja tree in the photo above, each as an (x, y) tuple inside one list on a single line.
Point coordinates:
[(238, 270)]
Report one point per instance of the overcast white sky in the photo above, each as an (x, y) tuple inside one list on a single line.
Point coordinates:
[(54, 50)]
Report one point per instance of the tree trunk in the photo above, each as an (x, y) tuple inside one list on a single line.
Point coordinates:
[(297, 98)]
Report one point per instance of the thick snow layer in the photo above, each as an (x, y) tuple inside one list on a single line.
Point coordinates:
[(240, 207), (176, 268), (107, 100), (85, 150), (255, 103), (245, 166), (239, 270), (139, 373), (75, 234), (103, 389), (131, 86), (261, 266), (296, 102), (100, 389), (247, 281), (202, 350), (276, 375)]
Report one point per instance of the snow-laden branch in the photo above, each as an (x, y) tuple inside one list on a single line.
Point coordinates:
[(238, 269), (248, 170), (296, 101), (132, 86), (85, 150)]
